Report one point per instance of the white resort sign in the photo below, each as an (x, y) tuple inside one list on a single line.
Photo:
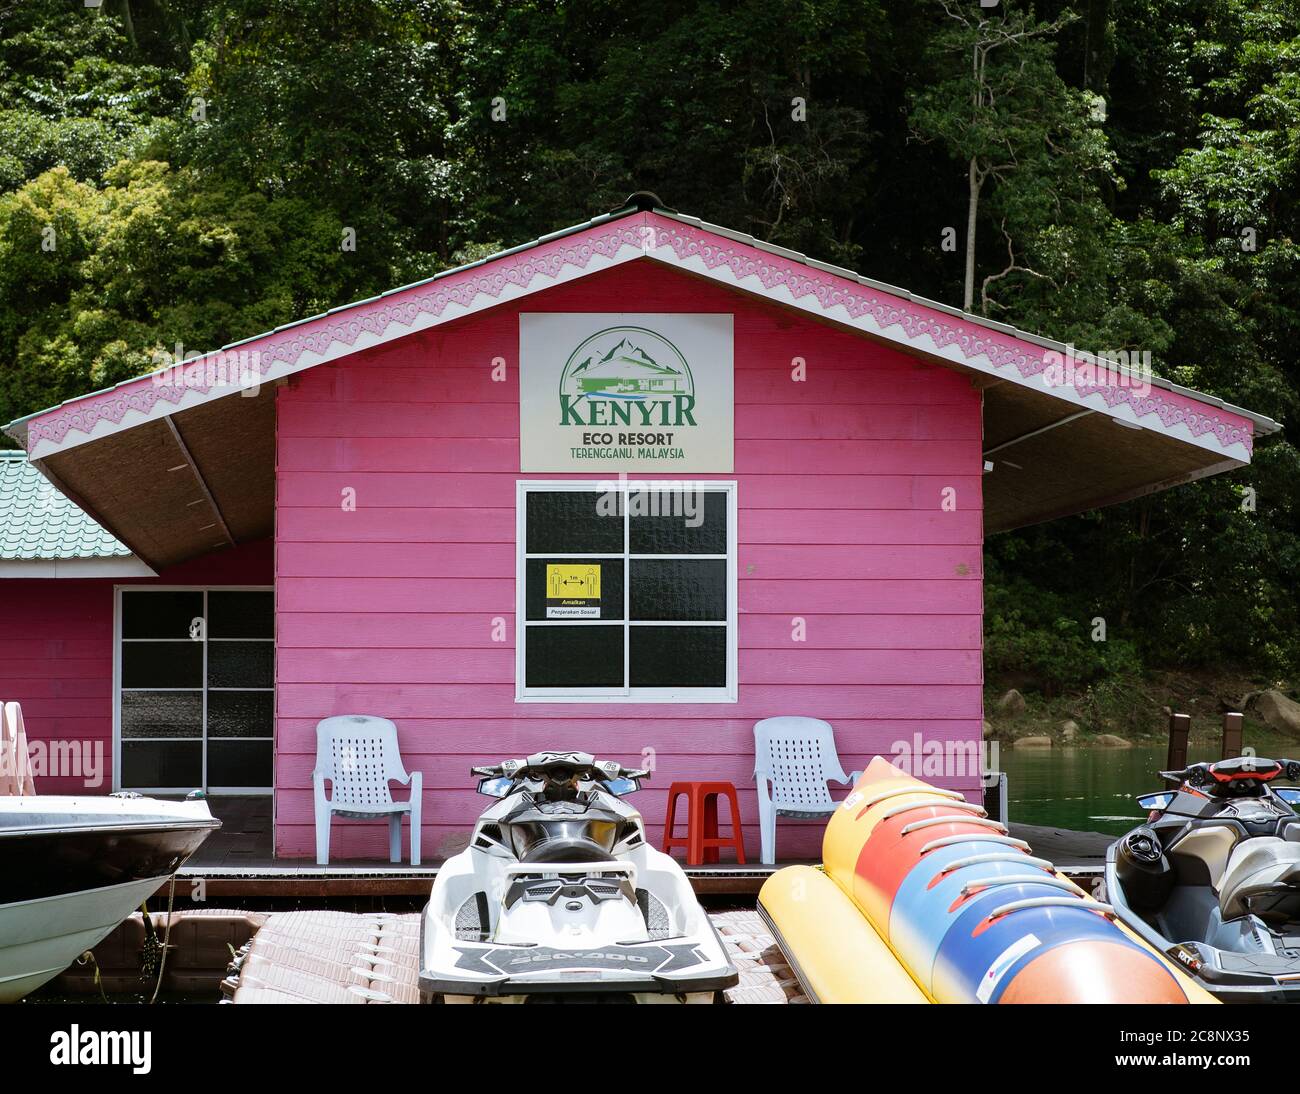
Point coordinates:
[(609, 391)]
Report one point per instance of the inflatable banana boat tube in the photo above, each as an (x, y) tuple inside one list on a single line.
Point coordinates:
[(922, 899)]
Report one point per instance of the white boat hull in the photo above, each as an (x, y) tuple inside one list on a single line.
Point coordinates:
[(41, 938)]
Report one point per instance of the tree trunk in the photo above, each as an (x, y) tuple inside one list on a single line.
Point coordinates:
[(128, 25), (972, 208), (1098, 52)]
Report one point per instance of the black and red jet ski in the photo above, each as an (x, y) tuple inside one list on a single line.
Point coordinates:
[(1212, 879)]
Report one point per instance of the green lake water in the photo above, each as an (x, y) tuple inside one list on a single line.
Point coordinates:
[(1091, 789)]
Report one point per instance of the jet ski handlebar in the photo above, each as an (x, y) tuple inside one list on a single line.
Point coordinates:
[(1237, 770), (563, 768)]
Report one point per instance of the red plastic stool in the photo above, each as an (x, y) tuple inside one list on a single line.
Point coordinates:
[(702, 840)]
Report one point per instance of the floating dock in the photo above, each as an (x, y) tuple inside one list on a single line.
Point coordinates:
[(373, 958)]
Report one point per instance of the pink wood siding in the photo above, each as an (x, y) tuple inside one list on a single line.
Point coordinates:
[(389, 610), (56, 650)]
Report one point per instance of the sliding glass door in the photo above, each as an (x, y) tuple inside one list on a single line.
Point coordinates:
[(195, 702)]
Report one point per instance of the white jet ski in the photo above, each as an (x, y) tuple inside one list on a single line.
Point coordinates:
[(560, 898)]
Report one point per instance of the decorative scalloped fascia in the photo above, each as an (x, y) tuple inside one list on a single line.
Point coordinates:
[(746, 267), (352, 328), (865, 308)]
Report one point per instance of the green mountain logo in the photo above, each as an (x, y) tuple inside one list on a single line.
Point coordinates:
[(619, 367), (625, 362)]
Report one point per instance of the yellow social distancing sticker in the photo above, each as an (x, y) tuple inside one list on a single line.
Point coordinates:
[(573, 591)]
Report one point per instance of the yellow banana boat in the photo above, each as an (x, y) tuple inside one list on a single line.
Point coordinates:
[(922, 899)]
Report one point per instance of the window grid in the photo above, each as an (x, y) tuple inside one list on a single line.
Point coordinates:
[(203, 739), (627, 692)]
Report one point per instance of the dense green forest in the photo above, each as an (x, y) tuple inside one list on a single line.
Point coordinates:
[(1128, 170)]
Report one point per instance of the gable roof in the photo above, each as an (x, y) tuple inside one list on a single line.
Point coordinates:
[(839, 295), (1038, 414)]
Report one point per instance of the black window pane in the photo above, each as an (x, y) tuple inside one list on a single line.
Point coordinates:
[(239, 763), (561, 588), (241, 664), (161, 615), (678, 522), (240, 713), (175, 764), (162, 664), (240, 615), (162, 714), (679, 589), (678, 657), (573, 656), (578, 521)]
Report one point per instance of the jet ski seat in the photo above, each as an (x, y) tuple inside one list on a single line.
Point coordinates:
[(1256, 868)]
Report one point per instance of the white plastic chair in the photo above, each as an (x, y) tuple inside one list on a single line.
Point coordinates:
[(794, 759), (358, 756), (15, 761)]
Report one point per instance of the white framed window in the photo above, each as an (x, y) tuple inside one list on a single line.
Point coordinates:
[(194, 689), (625, 592)]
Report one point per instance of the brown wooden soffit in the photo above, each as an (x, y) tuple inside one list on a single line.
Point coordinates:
[(1051, 460), (204, 478), (179, 487)]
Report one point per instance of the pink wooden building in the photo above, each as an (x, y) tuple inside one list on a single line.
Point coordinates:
[(628, 488)]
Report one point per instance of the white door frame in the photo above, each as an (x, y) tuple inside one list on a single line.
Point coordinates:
[(118, 590)]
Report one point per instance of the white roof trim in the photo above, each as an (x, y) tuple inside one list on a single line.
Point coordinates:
[(951, 354), (19, 568)]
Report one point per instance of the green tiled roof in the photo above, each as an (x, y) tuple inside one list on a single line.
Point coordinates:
[(38, 523)]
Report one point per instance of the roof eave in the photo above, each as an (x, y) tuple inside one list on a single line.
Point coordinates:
[(42, 569), (1266, 424)]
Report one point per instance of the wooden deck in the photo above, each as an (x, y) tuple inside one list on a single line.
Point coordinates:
[(239, 862)]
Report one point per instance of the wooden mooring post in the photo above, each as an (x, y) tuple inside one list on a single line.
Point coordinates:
[(1180, 727), (1232, 735)]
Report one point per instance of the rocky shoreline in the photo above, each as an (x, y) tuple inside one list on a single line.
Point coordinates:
[(1272, 716)]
